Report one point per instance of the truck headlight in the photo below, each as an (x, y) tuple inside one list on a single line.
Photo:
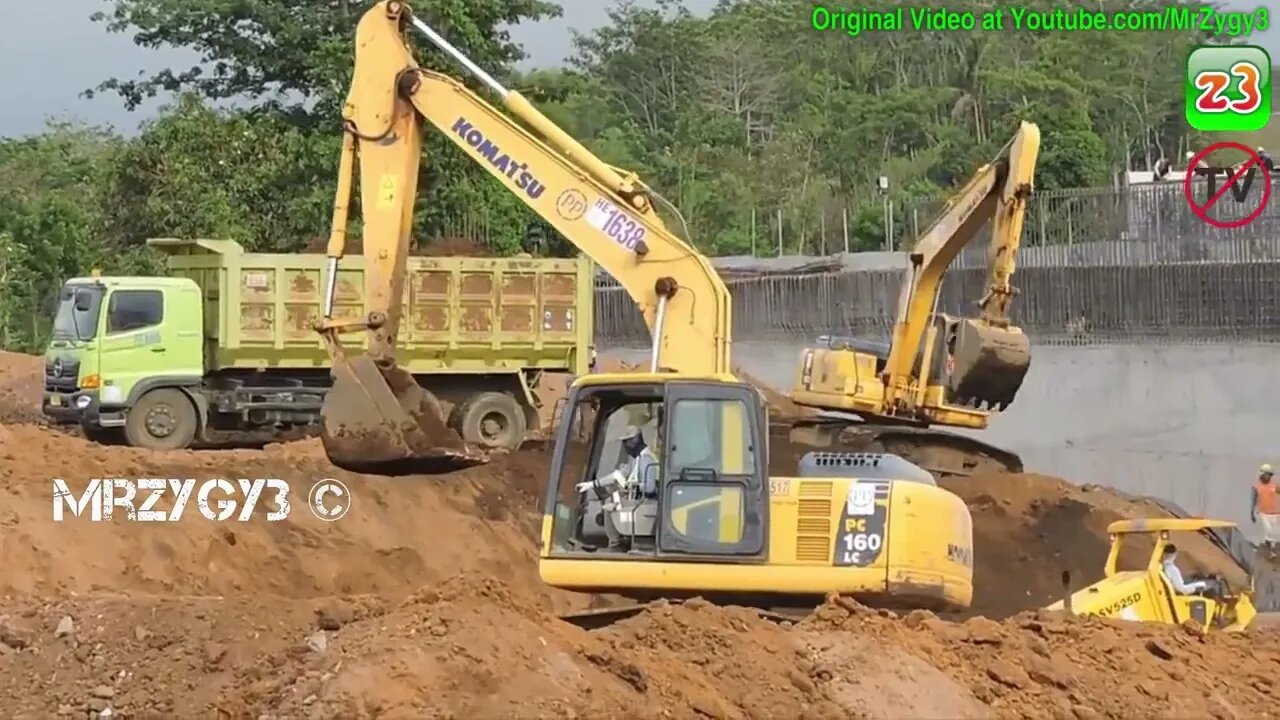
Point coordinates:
[(82, 402)]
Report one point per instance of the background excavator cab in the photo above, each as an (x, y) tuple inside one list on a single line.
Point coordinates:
[(1144, 593)]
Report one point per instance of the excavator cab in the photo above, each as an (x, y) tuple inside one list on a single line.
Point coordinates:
[(706, 494)]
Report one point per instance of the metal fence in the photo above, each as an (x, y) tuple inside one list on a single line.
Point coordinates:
[(1097, 265), (1155, 211)]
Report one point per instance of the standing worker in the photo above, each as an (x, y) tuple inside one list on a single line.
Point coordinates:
[(1266, 506)]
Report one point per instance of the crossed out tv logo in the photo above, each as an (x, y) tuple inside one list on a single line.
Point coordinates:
[(1228, 197), (217, 499)]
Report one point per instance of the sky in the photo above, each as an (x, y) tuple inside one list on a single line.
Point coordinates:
[(50, 51)]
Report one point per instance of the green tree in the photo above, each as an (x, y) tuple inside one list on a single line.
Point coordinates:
[(288, 64)]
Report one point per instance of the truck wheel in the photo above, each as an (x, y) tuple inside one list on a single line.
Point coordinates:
[(162, 419), (492, 420)]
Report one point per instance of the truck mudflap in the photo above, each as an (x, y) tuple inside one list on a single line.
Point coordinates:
[(379, 420)]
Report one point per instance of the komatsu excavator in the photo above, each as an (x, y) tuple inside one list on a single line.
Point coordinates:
[(937, 369), (705, 518)]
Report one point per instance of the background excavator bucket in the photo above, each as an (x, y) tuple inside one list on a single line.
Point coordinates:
[(990, 363), (377, 419)]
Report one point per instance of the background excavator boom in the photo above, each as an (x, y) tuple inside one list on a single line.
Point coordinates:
[(998, 193)]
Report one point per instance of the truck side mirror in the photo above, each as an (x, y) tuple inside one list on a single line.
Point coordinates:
[(84, 302), (49, 305)]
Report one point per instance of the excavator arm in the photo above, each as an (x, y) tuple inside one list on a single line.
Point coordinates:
[(990, 358), (376, 415)]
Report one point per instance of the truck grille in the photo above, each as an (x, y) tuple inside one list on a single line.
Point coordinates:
[(61, 374), (813, 522)]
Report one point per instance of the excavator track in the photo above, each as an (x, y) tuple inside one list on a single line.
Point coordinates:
[(598, 618), (941, 453)]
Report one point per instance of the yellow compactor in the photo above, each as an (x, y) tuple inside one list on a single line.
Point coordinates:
[(1145, 594)]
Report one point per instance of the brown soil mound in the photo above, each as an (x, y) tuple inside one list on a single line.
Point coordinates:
[(390, 543), (20, 387), (424, 601), (471, 646)]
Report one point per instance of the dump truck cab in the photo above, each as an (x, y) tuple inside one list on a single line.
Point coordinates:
[(115, 338), (1147, 595)]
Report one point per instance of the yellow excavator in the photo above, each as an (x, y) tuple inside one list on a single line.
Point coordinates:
[(937, 369), (703, 516)]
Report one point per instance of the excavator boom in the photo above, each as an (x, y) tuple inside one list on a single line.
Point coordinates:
[(376, 414), (989, 358)]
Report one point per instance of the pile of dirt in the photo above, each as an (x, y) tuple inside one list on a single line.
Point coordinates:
[(1045, 664), (424, 600), (472, 646), (21, 384), (389, 543)]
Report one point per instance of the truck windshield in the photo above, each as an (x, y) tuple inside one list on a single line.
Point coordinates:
[(71, 323)]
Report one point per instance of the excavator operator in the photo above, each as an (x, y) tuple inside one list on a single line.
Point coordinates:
[(623, 494), (1169, 564), (639, 469), (643, 465)]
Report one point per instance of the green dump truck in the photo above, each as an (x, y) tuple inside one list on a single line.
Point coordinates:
[(225, 343)]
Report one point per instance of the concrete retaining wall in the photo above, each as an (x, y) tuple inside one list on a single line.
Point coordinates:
[(1188, 423)]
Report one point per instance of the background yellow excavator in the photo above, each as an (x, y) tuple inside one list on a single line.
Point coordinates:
[(704, 517), (937, 369)]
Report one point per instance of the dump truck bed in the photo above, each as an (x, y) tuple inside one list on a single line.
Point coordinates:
[(462, 315)]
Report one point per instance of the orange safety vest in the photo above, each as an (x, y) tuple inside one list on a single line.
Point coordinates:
[(1267, 503)]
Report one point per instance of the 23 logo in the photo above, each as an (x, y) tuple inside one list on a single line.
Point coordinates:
[(1212, 85)]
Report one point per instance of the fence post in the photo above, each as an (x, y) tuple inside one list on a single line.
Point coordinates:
[(753, 232), (844, 225), (779, 232)]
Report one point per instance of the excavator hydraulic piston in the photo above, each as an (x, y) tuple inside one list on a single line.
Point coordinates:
[(990, 363)]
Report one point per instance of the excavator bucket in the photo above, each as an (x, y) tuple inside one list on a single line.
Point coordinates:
[(377, 419), (990, 364)]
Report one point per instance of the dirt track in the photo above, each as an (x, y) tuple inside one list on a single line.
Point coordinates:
[(424, 602)]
